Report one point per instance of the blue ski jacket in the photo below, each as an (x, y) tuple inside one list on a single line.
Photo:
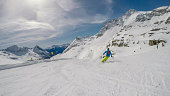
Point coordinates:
[(108, 53)]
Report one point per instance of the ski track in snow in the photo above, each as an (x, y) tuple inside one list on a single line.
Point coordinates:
[(10, 66), (126, 76)]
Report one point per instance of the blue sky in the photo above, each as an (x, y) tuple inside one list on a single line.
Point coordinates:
[(50, 22)]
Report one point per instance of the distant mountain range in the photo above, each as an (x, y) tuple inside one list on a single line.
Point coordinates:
[(36, 52)]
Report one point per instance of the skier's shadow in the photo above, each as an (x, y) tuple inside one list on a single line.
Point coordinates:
[(112, 61)]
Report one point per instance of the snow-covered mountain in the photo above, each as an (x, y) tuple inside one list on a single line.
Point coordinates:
[(19, 51), (24, 53), (41, 52), (133, 33)]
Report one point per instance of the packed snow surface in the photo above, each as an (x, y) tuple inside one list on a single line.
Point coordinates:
[(145, 74), (4, 61)]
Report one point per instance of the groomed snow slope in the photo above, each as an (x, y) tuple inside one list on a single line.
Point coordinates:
[(145, 74)]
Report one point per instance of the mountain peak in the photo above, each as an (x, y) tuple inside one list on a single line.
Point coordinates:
[(37, 48), (130, 12), (41, 52), (163, 7), (14, 47), (17, 50)]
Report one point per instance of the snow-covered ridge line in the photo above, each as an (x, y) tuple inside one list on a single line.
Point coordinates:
[(79, 41), (141, 16)]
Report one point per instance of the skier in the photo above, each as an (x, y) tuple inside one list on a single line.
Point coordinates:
[(108, 54)]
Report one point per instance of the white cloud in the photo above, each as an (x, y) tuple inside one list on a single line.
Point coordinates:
[(67, 5), (32, 20), (109, 1), (99, 19)]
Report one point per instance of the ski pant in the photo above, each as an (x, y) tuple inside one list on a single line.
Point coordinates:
[(105, 59)]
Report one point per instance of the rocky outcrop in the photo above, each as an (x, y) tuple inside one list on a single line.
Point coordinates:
[(119, 43), (156, 42), (167, 21)]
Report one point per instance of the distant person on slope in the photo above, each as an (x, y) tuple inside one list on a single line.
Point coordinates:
[(108, 54)]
